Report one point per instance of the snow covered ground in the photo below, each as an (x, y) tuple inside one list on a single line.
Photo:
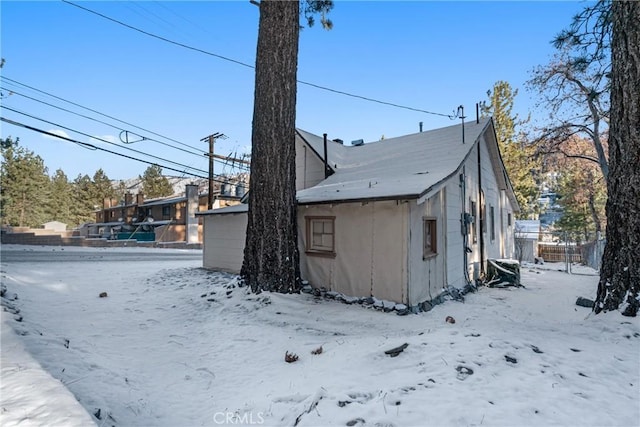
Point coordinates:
[(175, 345)]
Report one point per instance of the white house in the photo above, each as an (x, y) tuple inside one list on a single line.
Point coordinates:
[(399, 219)]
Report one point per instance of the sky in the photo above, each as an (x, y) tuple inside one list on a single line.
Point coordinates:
[(426, 55), (183, 346)]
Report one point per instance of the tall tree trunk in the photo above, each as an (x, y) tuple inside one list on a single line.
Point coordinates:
[(271, 258), (619, 285)]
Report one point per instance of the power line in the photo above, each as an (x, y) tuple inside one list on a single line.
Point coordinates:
[(225, 58), (93, 147), (94, 111), (99, 139), (16, 83)]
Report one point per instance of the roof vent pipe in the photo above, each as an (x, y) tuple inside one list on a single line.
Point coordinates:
[(462, 117), (420, 124), (477, 113)]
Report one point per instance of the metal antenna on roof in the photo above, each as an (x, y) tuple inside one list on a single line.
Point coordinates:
[(460, 113)]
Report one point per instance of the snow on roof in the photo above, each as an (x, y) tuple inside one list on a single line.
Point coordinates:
[(239, 208), (403, 167), (527, 228)]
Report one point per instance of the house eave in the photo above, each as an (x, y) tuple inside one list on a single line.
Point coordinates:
[(360, 200)]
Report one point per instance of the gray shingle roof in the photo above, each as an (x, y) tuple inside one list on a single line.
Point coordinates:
[(409, 166)]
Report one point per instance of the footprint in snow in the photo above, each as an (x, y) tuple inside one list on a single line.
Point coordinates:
[(463, 372)]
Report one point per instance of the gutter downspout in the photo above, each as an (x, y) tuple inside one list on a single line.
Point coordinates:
[(481, 207)]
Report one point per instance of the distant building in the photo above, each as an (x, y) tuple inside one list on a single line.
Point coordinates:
[(168, 219), (526, 238)]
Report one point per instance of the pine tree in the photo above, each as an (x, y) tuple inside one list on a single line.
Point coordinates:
[(61, 198), (271, 259), (84, 205), (101, 188), (619, 285), (25, 184), (154, 184), (518, 156)]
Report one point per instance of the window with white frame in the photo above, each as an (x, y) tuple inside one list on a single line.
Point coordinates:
[(430, 238), (320, 235)]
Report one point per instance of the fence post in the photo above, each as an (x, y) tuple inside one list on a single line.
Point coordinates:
[(566, 253)]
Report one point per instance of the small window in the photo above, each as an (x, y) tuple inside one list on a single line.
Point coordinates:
[(509, 219), (321, 235), (430, 241), (492, 218), (166, 212)]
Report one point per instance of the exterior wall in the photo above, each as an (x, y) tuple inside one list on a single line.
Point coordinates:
[(176, 233), (508, 220), (224, 237), (472, 195), (456, 202), (501, 246), (492, 199), (309, 168), (371, 250), (426, 276)]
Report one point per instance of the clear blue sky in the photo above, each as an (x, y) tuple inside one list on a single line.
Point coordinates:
[(427, 55)]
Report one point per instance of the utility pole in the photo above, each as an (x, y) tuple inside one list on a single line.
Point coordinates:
[(211, 139)]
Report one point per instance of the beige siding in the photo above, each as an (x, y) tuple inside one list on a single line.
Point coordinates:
[(427, 276), (455, 241), (224, 237), (370, 246), (309, 168)]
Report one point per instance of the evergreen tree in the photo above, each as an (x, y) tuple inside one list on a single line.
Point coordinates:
[(121, 190), (517, 155), (84, 205), (25, 184), (609, 30), (154, 184), (271, 259), (101, 188), (61, 198), (619, 285)]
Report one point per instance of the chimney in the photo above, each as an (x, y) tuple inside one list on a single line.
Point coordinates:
[(139, 199), (326, 166), (128, 199), (106, 203), (191, 192)]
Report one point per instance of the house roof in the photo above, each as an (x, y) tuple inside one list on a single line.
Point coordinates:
[(527, 229), (406, 167), (234, 209)]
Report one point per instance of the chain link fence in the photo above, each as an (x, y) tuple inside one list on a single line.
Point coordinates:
[(566, 248)]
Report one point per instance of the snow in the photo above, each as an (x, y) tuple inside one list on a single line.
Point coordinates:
[(405, 166), (176, 345)]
